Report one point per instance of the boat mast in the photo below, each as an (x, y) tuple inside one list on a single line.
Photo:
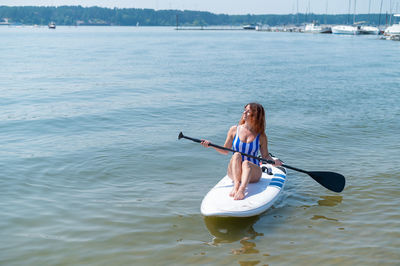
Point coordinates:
[(380, 12), (348, 16), (391, 13), (369, 12), (326, 12)]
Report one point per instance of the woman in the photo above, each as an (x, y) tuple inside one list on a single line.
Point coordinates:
[(248, 137)]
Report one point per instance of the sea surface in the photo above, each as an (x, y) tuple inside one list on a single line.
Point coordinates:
[(92, 171)]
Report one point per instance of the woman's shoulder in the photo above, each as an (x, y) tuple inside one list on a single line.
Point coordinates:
[(263, 136), (232, 130)]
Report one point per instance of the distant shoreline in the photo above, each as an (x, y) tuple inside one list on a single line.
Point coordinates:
[(97, 16)]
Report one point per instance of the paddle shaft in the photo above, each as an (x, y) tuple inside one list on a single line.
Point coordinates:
[(245, 154), (330, 180), (227, 149)]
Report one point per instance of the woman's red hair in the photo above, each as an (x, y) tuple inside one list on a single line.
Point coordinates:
[(256, 117)]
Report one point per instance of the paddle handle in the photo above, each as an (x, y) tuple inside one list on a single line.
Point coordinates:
[(227, 149)]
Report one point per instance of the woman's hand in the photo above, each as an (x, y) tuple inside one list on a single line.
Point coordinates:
[(205, 143), (278, 162)]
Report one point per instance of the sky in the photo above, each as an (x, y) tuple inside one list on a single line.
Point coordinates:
[(231, 7)]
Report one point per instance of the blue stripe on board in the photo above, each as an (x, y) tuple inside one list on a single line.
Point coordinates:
[(277, 184), (277, 180), (280, 175)]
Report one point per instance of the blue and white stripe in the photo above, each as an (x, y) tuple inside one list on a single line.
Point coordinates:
[(278, 180), (249, 148)]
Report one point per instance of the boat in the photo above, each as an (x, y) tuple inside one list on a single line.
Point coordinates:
[(52, 25), (249, 27), (370, 30), (4, 21), (259, 196), (394, 37), (263, 28), (367, 29), (315, 27), (393, 30), (346, 29)]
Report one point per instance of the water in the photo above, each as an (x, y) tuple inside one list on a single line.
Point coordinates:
[(93, 173)]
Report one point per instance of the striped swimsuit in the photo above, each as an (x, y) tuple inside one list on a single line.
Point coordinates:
[(249, 148)]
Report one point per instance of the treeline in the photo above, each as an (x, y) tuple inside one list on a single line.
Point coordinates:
[(78, 15)]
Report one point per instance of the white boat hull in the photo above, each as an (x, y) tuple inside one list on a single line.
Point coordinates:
[(393, 30), (345, 29), (313, 28), (369, 30)]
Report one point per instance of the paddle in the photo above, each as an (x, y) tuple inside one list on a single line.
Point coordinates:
[(330, 180)]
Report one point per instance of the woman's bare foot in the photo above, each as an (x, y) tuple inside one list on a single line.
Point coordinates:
[(234, 190), (239, 194)]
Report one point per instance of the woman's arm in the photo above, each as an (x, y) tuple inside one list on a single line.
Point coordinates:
[(264, 150), (228, 141)]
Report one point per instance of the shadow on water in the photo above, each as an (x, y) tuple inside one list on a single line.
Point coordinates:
[(330, 201), (231, 229)]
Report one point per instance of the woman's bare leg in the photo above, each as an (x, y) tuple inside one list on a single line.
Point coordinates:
[(235, 172), (251, 173)]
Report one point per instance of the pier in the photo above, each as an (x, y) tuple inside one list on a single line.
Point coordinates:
[(240, 28)]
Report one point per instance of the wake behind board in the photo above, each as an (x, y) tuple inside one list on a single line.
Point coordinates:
[(258, 196)]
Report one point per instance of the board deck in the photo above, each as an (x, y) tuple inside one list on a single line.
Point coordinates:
[(258, 196)]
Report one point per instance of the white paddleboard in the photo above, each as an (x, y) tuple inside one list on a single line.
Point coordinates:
[(258, 196)]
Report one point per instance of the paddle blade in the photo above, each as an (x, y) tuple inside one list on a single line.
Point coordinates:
[(330, 180)]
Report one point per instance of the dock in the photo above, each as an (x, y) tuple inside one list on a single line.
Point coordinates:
[(210, 28), (240, 28)]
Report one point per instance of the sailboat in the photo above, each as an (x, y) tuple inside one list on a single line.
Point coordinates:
[(314, 26), (347, 29), (365, 29)]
